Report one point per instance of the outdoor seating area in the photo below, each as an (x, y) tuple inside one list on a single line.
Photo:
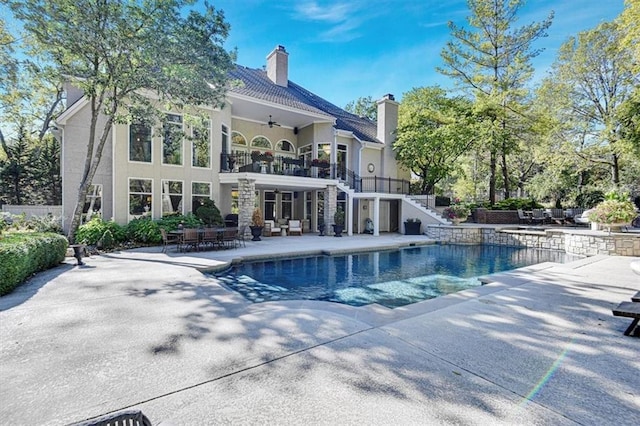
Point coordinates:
[(282, 227), (201, 239), (572, 216)]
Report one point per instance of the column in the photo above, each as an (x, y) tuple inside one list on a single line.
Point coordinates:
[(376, 217), (349, 219), (246, 202), (330, 206)]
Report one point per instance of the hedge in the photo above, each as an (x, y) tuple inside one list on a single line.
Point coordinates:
[(23, 254)]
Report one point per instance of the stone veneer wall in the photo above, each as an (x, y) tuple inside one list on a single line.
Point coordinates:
[(584, 243), (246, 202)]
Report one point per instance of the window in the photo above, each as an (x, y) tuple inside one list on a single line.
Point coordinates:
[(308, 203), (200, 191), (269, 205), (140, 197), (172, 197), (320, 205), (172, 140), (201, 144), (93, 203), (286, 203), (261, 142), (305, 153), (238, 139), (140, 142), (285, 145)]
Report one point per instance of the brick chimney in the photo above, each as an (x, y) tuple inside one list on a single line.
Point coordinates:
[(278, 66), (387, 118)]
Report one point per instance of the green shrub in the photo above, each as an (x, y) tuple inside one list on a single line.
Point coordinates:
[(91, 232), (144, 230), (47, 223), (589, 199), (209, 213), (25, 253), (516, 203), (171, 222)]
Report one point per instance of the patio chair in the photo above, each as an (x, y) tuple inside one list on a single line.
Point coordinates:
[(128, 417), (229, 237), (295, 226), (190, 238), (557, 216), (240, 236), (270, 228), (210, 237), (524, 218), (168, 239), (538, 216)]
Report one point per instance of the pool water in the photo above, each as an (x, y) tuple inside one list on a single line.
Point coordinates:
[(390, 278)]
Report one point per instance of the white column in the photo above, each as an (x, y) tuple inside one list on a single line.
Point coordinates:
[(376, 217), (349, 216)]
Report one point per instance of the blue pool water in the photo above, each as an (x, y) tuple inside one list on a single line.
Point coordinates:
[(390, 278)]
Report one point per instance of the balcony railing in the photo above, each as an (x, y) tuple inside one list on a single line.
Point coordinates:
[(287, 166)]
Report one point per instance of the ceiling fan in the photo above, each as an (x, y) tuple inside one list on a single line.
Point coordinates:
[(272, 123)]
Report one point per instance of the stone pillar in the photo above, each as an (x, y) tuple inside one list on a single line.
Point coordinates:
[(246, 202), (330, 206)]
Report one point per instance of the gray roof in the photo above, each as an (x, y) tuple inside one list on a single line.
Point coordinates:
[(256, 84)]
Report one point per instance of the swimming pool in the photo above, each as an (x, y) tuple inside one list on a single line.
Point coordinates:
[(391, 278)]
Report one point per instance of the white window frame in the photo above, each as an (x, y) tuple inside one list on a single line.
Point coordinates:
[(170, 123), (149, 194), (163, 184)]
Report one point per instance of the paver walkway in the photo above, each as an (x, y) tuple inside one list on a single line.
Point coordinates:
[(148, 330)]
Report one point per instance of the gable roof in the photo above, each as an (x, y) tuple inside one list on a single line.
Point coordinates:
[(256, 84)]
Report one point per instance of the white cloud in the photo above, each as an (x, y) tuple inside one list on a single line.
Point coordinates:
[(334, 13)]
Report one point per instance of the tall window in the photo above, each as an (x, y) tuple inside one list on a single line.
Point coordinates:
[(201, 144), (224, 132), (308, 205), (286, 205), (140, 197), (269, 205), (140, 142), (239, 142), (305, 153), (172, 196), (172, 140), (200, 191), (320, 205), (93, 203)]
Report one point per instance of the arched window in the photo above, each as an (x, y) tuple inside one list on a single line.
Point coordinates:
[(238, 139), (261, 142), (284, 145)]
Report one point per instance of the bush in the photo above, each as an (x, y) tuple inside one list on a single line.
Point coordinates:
[(589, 199), (209, 213), (91, 232), (171, 222), (516, 203), (144, 230), (25, 253)]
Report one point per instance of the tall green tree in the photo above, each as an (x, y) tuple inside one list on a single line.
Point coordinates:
[(117, 51), (363, 107), (433, 132), (591, 83), (492, 61)]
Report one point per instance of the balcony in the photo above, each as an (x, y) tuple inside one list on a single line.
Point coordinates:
[(297, 167)]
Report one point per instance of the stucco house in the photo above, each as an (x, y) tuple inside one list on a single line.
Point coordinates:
[(274, 145)]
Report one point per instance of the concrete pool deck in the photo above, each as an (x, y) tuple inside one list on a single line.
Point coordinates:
[(148, 330)]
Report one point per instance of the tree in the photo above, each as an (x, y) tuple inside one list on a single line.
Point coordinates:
[(117, 51), (433, 131), (589, 91), (363, 107), (493, 63)]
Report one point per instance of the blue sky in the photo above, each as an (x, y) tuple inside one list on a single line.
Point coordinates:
[(345, 49)]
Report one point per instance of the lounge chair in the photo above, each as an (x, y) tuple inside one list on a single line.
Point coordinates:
[(557, 216), (128, 417), (583, 219), (295, 226), (270, 228), (524, 218), (538, 216)]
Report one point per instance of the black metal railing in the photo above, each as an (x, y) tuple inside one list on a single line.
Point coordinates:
[(279, 165)]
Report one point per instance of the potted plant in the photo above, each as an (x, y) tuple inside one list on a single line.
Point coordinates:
[(257, 223), (615, 211), (457, 212), (338, 219), (412, 226)]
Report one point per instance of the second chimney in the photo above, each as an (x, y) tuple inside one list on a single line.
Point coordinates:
[(278, 66)]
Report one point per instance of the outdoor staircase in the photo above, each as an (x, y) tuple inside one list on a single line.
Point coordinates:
[(427, 215)]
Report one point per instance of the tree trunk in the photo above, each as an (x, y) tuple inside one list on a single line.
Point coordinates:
[(505, 173), (492, 178), (615, 170)]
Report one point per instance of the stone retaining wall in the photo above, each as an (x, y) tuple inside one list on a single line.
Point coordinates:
[(578, 242)]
